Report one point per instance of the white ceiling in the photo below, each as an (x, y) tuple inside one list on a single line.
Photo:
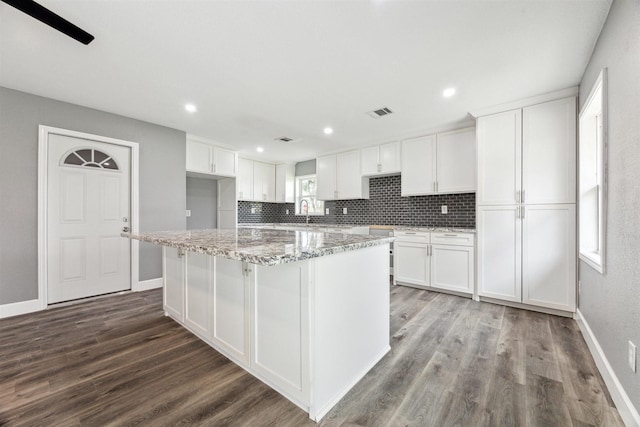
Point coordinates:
[(258, 70)]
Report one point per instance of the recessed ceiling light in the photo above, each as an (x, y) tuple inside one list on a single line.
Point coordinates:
[(328, 131), (190, 108), (449, 92), (259, 149)]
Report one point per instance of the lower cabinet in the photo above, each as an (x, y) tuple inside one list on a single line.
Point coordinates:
[(435, 260), (210, 296), (527, 254)]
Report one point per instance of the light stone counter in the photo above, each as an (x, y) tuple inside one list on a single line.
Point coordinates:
[(260, 245)]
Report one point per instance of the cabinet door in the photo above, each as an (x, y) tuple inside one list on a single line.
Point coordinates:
[(198, 282), (199, 157), (456, 161), (326, 175), (499, 252), (224, 162), (285, 181), (411, 263), (390, 157), (349, 184), (499, 158), (245, 179), (370, 159), (231, 308), (452, 268), (280, 326), (418, 166), (549, 152), (549, 256), (173, 289), (264, 182)]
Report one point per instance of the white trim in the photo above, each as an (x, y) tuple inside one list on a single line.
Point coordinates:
[(551, 96), (134, 194), (628, 412), (145, 285), (17, 308)]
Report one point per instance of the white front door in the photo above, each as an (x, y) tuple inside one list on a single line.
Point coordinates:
[(88, 205)]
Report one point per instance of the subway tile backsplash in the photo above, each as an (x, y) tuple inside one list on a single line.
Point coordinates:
[(385, 206)]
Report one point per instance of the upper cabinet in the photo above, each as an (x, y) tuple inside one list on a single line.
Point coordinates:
[(528, 155), (205, 158), (418, 166), (256, 181), (381, 159), (339, 177), (244, 182), (456, 161), (285, 183), (264, 182), (439, 164)]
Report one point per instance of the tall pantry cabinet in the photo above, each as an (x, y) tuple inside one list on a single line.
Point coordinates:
[(526, 216)]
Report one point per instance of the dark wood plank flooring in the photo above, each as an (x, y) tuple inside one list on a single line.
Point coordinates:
[(119, 361)]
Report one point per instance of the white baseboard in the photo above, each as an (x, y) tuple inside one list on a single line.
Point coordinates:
[(145, 285), (625, 407), (17, 308)]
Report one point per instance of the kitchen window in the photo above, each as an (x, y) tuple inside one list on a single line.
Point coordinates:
[(593, 175), (306, 200)]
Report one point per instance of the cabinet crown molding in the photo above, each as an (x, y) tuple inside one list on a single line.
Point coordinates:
[(551, 96)]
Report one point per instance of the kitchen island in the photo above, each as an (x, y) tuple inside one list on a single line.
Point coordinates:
[(306, 312)]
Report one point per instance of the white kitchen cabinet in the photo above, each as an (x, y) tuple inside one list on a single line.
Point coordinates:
[(439, 164), (173, 277), (381, 159), (453, 262), (198, 283), (528, 155), (231, 301), (285, 183), (339, 177), (256, 181), (264, 182), (549, 256), (244, 182), (526, 254), (418, 166), (549, 152), (205, 158), (411, 263), (280, 321), (526, 212), (435, 260), (456, 161), (499, 252)]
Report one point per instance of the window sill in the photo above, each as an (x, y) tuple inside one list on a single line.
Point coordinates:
[(593, 260)]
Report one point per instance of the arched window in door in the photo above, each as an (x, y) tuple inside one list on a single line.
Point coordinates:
[(91, 158)]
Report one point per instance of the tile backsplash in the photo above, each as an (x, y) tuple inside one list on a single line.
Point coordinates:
[(385, 206)]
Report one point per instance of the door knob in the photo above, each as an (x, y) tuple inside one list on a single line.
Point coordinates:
[(125, 229)]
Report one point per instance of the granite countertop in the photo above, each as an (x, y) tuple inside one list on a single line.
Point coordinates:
[(261, 246), (376, 227)]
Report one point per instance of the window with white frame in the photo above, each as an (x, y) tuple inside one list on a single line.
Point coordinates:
[(593, 175), (306, 200)]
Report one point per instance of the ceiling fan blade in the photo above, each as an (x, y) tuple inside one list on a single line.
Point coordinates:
[(46, 16)]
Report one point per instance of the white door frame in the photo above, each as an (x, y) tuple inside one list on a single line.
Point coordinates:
[(43, 192)]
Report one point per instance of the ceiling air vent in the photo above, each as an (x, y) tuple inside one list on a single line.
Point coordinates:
[(286, 140), (380, 112)]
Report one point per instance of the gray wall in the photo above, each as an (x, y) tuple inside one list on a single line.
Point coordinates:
[(162, 181), (202, 200), (307, 167), (611, 302)]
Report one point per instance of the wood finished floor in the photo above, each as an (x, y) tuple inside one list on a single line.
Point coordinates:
[(120, 361)]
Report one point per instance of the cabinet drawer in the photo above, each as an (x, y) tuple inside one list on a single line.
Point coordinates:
[(459, 239), (412, 236)]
